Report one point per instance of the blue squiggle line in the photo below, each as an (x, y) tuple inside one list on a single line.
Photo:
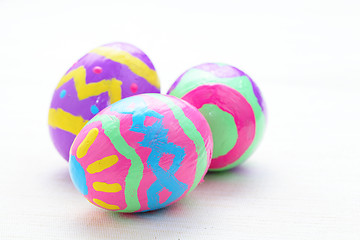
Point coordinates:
[(156, 138)]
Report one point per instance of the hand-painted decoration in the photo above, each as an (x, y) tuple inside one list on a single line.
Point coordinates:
[(101, 77), (141, 153), (233, 106)]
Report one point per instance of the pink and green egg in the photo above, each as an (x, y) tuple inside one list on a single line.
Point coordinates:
[(103, 76), (141, 153), (232, 104)]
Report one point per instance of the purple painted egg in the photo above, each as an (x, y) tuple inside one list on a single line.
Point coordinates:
[(141, 153), (103, 76), (232, 104)]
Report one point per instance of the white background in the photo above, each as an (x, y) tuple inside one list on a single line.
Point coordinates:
[(302, 183)]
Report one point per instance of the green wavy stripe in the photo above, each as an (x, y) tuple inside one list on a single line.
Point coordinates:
[(190, 130), (111, 126)]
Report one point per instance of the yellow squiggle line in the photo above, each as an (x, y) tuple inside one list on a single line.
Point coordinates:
[(135, 64), (58, 118), (107, 187), (112, 86), (87, 142), (105, 205), (102, 164)]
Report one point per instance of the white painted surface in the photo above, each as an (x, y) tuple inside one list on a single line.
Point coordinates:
[(302, 183)]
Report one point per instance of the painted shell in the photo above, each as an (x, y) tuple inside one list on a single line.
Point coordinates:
[(103, 76), (141, 153), (233, 106)]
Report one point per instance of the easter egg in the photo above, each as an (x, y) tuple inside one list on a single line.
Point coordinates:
[(101, 77), (233, 106), (141, 153)]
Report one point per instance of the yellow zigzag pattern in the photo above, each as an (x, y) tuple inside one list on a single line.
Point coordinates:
[(84, 90), (134, 64), (70, 123), (58, 118)]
